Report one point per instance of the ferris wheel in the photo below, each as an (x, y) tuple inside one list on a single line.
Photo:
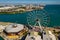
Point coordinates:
[(42, 15)]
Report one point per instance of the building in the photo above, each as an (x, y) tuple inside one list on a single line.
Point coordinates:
[(14, 31)]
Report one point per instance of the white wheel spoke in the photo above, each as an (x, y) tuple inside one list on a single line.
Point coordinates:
[(42, 15)]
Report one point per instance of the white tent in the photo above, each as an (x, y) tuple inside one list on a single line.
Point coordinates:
[(16, 29)]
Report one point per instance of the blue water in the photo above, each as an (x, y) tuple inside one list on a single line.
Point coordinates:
[(1, 38), (15, 18), (52, 10), (54, 13)]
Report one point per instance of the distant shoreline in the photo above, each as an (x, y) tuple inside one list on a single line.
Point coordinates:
[(19, 9), (18, 12), (10, 12)]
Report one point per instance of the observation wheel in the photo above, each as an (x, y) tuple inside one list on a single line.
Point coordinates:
[(42, 15)]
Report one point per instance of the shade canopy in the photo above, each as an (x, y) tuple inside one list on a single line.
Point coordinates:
[(14, 28)]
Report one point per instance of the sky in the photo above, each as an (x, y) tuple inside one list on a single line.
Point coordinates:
[(31, 1)]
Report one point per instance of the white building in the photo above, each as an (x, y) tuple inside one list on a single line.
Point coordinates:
[(14, 28)]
